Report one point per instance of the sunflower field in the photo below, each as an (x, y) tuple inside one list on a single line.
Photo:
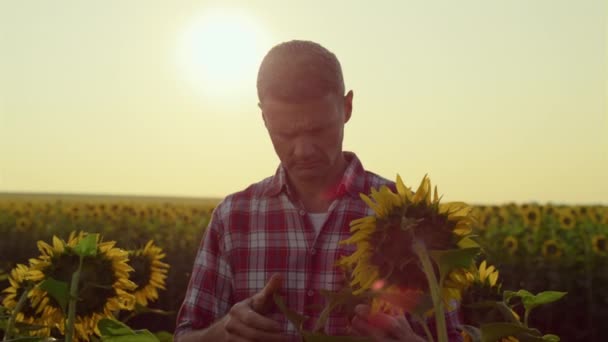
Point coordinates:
[(536, 247)]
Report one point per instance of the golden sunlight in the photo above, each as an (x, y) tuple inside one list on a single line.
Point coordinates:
[(219, 52)]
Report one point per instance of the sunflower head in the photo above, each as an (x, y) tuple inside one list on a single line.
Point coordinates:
[(567, 218), (149, 272), (510, 244), (531, 215), (18, 285), (551, 249), (384, 240), (102, 289), (599, 244)]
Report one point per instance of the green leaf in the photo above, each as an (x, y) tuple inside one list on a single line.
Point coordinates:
[(137, 336), (530, 300), (164, 336), (468, 242), (295, 318), (58, 290), (334, 299), (87, 246), (547, 297), (115, 331), (453, 259), (473, 332), (111, 327), (140, 309), (493, 332), (551, 338), (508, 295), (30, 339)]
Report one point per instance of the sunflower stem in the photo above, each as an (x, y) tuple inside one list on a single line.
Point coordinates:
[(69, 330), (429, 272), (13, 318), (426, 329)]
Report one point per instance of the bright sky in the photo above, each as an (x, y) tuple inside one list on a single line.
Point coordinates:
[(497, 101)]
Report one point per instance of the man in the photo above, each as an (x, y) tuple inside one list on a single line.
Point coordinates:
[(281, 235)]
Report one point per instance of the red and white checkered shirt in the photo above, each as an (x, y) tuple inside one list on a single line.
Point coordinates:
[(260, 231)]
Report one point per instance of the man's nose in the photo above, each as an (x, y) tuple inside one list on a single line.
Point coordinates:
[(304, 147)]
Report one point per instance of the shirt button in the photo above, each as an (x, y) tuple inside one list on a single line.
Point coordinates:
[(310, 293), (302, 213), (313, 251)]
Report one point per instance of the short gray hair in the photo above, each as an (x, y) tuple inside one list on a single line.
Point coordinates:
[(299, 70)]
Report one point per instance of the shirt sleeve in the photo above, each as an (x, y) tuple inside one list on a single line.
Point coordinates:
[(209, 293)]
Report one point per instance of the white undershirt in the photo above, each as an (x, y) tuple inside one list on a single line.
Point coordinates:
[(317, 220)]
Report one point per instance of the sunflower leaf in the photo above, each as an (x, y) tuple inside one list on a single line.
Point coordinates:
[(137, 336), (295, 318), (493, 332), (545, 297), (87, 246), (115, 331), (551, 338), (473, 332), (531, 301), (58, 290), (110, 327), (453, 259), (334, 299)]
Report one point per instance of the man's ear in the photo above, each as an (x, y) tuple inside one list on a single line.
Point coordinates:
[(348, 105)]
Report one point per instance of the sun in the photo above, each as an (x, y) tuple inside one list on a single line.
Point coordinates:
[(219, 52)]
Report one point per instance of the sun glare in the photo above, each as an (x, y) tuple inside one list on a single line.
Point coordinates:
[(219, 52)]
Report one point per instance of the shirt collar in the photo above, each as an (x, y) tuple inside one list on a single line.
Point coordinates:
[(352, 182)]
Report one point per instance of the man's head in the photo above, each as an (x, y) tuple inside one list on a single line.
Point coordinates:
[(301, 94)]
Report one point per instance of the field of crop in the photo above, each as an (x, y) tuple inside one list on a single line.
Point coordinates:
[(537, 247)]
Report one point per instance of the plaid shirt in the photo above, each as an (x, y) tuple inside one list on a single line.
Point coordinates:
[(260, 231)]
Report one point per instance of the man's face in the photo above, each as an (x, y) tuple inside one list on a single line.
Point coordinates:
[(307, 137)]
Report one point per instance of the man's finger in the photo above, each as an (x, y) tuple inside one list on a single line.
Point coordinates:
[(261, 300), (257, 321)]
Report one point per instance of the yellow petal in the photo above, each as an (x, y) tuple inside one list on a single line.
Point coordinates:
[(404, 192), (493, 278)]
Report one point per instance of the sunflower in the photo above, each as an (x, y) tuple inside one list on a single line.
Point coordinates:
[(384, 240), (600, 244), (27, 315), (149, 272), (567, 219), (23, 224), (510, 243), (102, 289), (551, 249), (531, 215), (484, 287)]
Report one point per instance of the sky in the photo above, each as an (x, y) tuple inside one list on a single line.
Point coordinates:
[(497, 101)]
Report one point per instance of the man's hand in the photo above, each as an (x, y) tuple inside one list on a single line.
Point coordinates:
[(381, 327), (245, 321)]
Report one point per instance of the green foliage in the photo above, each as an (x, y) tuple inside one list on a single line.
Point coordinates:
[(59, 290), (87, 246), (177, 226), (115, 331)]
